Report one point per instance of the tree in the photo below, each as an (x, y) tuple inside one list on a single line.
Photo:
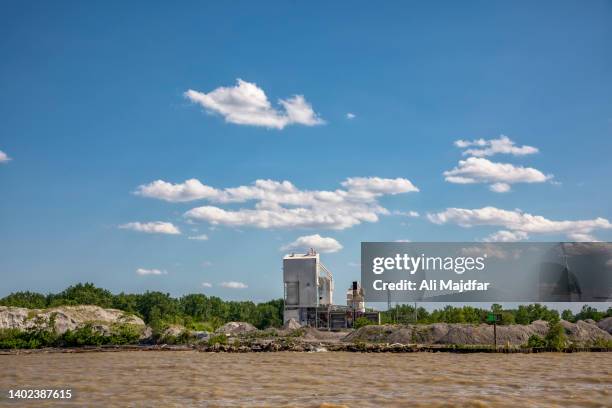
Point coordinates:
[(195, 305), (267, 316), (588, 312), (166, 307), (126, 301), (567, 315), (496, 308), (522, 315), (82, 294), (31, 300), (555, 338)]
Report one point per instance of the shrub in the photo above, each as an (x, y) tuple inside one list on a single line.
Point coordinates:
[(12, 339), (297, 332), (361, 322), (601, 342), (218, 339), (84, 336), (201, 326), (27, 339), (125, 334), (536, 341)]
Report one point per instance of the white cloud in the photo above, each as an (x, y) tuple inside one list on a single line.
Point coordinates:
[(507, 236), (411, 214), (280, 204), (402, 240), (516, 221), (350, 115), (206, 264), (156, 227), (582, 237), (233, 285), (206, 285), (316, 241), (494, 146), (490, 251), (202, 237), (499, 175), (4, 158), (145, 272), (247, 104), (500, 187), (378, 186), (189, 190)]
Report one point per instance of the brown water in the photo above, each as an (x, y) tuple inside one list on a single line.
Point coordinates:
[(188, 378)]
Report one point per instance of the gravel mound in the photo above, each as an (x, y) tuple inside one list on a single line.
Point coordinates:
[(312, 334), (444, 333), (235, 328), (583, 332), (605, 324), (64, 317), (292, 324)]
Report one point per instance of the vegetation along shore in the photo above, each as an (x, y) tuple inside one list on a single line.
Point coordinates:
[(86, 318)]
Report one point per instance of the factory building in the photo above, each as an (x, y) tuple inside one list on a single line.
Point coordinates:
[(308, 295)]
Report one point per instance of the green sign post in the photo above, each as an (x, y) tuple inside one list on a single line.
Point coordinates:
[(494, 318)]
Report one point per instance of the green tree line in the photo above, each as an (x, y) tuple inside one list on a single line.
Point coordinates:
[(524, 314), (157, 309), (199, 311)]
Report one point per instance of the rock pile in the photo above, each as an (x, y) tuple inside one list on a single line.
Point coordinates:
[(444, 333), (292, 324), (64, 318), (236, 328), (605, 324)]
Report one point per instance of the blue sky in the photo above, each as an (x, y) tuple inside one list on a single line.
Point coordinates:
[(93, 106)]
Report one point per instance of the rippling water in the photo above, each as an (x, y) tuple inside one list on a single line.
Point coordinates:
[(190, 378)]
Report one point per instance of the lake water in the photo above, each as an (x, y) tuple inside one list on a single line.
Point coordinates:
[(189, 378)]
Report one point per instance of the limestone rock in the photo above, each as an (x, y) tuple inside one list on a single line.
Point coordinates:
[(235, 328), (605, 324), (65, 318)]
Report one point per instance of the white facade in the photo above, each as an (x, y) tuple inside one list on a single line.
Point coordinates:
[(307, 284)]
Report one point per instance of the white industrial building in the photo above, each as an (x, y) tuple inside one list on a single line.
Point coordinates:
[(308, 295)]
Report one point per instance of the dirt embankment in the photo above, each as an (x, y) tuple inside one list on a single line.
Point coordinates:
[(443, 333)]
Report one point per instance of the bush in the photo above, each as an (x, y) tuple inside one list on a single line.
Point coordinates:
[(184, 337), (297, 332), (361, 322), (12, 339), (201, 326), (218, 339), (601, 342), (27, 339), (536, 341), (84, 336), (125, 334)]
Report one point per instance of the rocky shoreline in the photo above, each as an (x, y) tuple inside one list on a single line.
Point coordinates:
[(306, 347), (241, 337)]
